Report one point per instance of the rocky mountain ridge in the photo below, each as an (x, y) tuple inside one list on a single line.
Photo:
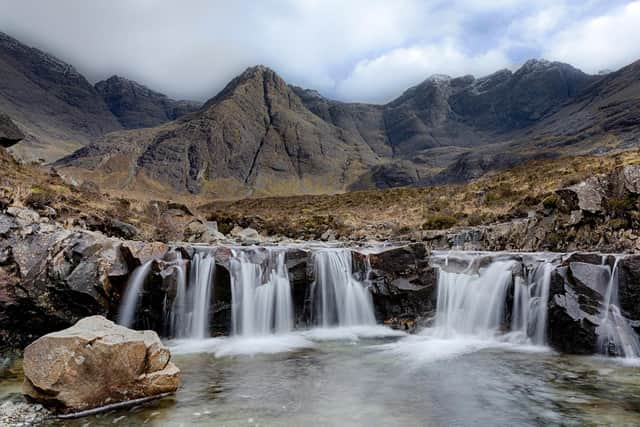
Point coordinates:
[(59, 111), (262, 137), (137, 106), (442, 130)]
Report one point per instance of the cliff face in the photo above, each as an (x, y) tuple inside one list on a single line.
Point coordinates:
[(59, 111), (136, 106), (261, 137), (53, 104), (255, 137)]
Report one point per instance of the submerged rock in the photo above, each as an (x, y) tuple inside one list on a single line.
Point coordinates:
[(96, 363)]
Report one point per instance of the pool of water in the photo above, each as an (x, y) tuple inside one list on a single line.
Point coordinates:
[(375, 377)]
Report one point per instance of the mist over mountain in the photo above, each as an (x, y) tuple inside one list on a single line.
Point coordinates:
[(262, 136)]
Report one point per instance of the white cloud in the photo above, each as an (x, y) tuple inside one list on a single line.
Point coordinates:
[(384, 77), (356, 50), (608, 41)]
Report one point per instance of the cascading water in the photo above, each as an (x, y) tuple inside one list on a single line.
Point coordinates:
[(472, 304), (261, 293), (338, 299), (473, 301), (616, 337), (177, 313), (530, 300), (198, 297), (127, 312)]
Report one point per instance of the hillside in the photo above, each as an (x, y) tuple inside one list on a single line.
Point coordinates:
[(261, 137), (59, 111)]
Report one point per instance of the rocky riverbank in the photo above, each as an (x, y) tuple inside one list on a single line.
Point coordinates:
[(52, 276)]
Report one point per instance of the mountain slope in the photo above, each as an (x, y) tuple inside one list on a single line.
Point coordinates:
[(136, 106), (55, 106), (259, 136), (255, 137)]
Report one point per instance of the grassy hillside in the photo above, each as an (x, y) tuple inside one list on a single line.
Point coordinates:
[(495, 197)]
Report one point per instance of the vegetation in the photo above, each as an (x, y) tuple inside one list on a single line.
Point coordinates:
[(499, 196)]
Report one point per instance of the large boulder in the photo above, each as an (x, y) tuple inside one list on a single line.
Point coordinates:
[(587, 195), (96, 363)]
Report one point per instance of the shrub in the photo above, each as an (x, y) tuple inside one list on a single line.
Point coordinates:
[(618, 223), (621, 205), (551, 202), (439, 222)]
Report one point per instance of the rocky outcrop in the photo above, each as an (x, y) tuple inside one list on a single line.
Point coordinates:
[(96, 363), (137, 106), (9, 132), (579, 290), (403, 284), (574, 314), (598, 214)]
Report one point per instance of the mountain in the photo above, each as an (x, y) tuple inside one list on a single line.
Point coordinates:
[(255, 137), (59, 111), (260, 136), (55, 106), (136, 106)]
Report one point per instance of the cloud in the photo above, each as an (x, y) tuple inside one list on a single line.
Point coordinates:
[(357, 50), (609, 41), (384, 77)]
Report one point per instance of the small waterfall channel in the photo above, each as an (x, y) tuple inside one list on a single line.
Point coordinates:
[(473, 301), (338, 299), (615, 335), (484, 296), (261, 292)]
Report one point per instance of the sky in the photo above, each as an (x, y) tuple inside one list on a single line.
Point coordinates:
[(351, 50)]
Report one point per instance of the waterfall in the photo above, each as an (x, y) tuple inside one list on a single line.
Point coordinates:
[(261, 293), (338, 299), (615, 335), (530, 304), (472, 304), (127, 312), (198, 295), (177, 317)]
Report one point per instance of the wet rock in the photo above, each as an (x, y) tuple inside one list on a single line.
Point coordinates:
[(62, 277), (629, 285), (137, 253), (593, 276), (573, 314), (96, 363), (299, 266), (404, 285)]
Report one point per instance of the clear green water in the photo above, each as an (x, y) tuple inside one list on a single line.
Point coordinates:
[(337, 379)]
